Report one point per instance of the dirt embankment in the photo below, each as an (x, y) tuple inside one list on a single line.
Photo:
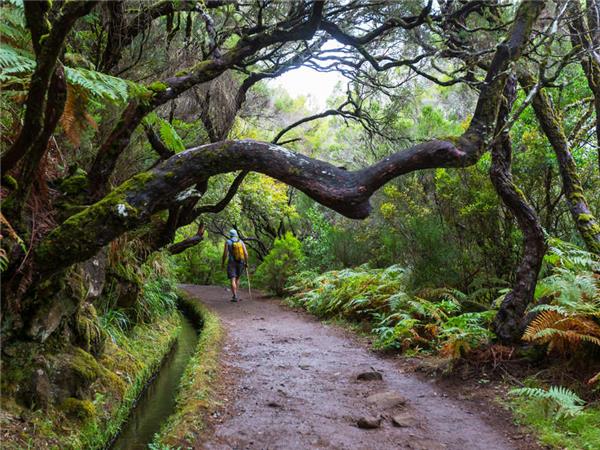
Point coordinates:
[(292, 384)]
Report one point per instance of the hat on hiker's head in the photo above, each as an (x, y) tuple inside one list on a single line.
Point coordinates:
[(233, 233)]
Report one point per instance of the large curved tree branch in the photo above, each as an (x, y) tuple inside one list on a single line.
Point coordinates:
[(131, 204), (190, 242)]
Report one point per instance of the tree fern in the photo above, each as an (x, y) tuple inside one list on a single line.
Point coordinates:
[(565, 401)]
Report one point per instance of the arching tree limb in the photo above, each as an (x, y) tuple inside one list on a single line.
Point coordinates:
[(132, 203), (181, 246)]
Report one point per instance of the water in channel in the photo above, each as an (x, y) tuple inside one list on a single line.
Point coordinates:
[(157, 402)]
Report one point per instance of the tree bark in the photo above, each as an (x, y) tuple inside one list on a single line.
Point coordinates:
[(587, 37), (190, 242), (551, 123), (508, 322)]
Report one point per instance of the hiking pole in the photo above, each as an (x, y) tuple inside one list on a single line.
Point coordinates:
[(248, 276)]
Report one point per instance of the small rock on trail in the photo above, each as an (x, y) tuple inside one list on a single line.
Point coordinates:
[(322, 406), (386, 400), (369, 376), (404, 420), (369, 422)]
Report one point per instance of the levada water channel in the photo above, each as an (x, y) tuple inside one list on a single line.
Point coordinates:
[(157, 402)]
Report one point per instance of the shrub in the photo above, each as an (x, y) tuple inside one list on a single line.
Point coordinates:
[(280, 264), (568, 305), (429, 319), (201, 264)]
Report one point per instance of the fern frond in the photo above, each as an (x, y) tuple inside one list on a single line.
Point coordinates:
[(15, 61), (167, 133), (75, 117), (567, 402), (562, 332)]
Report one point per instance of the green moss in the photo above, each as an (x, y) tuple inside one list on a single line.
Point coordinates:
[(85, 365), (81, 229), (585, 218), (10, 182), (75, 183), (158, 86), (196, 396), (120, 374), (91, 337), (79, 409), (577, 196)]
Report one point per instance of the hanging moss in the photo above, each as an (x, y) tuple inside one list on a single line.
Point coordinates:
[(74, 184), (10, 182)]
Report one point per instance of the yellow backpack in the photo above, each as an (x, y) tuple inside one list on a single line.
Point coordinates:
[(237, 250)]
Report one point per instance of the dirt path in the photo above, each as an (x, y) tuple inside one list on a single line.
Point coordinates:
[(296, 387)]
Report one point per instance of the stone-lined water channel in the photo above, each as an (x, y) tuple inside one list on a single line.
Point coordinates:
[(157, 402)]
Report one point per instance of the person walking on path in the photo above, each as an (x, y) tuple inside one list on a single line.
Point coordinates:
[(237, 258)]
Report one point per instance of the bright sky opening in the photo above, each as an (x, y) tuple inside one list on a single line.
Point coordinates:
[(318, 86)]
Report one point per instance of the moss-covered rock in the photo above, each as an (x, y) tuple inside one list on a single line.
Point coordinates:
[(89, 335), (74, 184), (78, 409)]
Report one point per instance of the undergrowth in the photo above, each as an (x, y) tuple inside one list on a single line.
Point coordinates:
[(557, 415), (432, 320)]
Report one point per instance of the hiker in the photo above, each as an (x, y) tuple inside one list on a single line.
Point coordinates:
[(237, 259)]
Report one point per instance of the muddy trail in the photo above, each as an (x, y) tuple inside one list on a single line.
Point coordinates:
[(291, 383)]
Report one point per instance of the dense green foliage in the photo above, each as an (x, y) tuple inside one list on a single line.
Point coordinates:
[(283, 260), (400, 319), (545, 414)]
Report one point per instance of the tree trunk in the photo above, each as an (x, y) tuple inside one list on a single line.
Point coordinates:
[(508, 321), (550, 121)]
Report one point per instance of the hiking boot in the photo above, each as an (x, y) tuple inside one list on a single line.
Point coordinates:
[(234, 299)]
